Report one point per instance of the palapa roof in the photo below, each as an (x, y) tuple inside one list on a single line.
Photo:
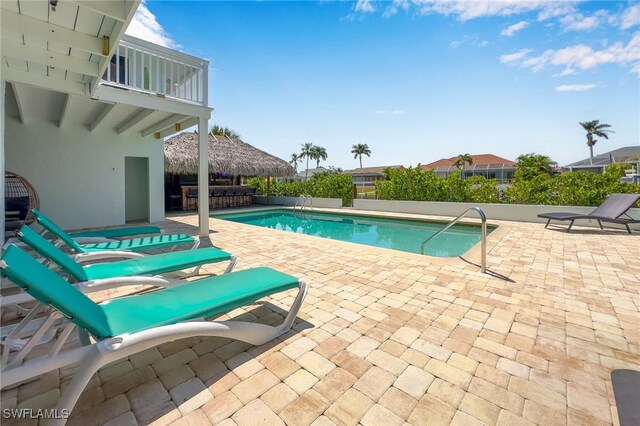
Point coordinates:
[(226, 155)]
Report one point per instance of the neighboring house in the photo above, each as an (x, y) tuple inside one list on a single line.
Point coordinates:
[(300, 177), (628, 154), (487, 165), (367, 176), (86, 108)]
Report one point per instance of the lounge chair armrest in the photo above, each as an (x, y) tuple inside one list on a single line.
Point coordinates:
[(102, 255), (91, 240), (109, 283)]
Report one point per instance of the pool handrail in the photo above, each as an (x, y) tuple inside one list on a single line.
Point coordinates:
[(304, 199), (483, 236)]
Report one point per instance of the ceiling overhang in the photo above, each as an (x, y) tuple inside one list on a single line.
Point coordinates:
[(64, 48)]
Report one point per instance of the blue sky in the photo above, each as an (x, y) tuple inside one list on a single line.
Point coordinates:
[(415, 80)]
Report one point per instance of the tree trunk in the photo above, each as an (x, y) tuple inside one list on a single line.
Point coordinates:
[(591, 153), (360, 160), (306, 172)]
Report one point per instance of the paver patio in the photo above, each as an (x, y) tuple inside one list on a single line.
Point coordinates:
[(386, 337)]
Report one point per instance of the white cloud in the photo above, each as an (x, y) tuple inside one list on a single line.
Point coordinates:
[(144, 25), (515, 57), (636, 68), (581, 56), (474, 40), (575, 87), (555, 9), (466, 10), (579, 22), (512, 29), (565, 72), (365, 6), (630, 17)]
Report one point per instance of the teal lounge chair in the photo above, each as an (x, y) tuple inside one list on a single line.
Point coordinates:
[(118, 248), (125, 326), (102, 276), (109, 234)]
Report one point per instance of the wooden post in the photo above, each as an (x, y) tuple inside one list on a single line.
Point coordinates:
[(268, 189)]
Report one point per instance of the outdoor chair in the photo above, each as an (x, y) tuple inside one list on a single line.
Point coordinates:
[(115, 248), (612, 210), (126, 326), (103, 276), (104, 235), (218, 195), (192, 197)]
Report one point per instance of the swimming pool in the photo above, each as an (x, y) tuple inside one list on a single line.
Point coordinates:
[(397, 234)]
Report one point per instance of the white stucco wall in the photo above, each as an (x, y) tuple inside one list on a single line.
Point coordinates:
[(79, 175), (329, 203), (514, 212)]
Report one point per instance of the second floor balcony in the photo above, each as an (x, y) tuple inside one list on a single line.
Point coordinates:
[(156, 70)]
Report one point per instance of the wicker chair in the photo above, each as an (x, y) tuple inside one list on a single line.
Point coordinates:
[(19, 196)]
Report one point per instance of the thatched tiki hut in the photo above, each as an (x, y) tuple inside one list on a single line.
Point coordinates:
[(229, 159)]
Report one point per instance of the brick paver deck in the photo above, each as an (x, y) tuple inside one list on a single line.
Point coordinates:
[(387, 337)]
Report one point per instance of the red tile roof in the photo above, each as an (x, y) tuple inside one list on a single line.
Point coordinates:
[(478, 160)]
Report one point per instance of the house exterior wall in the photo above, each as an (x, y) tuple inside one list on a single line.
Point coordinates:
[(78, 174)]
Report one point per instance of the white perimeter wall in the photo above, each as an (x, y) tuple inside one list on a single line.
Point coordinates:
[(328, 203), (514, 212), (79, 175)]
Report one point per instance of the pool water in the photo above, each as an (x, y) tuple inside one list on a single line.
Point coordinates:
[(397, 234)]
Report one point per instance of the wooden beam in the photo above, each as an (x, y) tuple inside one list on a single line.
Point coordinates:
[(135, 120), (37, 80), (162, 125), (100, 118), (17, 93), (116, 9), (17, 50), (141, 100), (64, 110), (15, 22), (116, 34), (183, 126)]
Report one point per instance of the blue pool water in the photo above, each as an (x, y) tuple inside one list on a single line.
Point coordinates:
[(396, 234)]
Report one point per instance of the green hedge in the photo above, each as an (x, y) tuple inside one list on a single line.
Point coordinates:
[(571, 189), (322, 185)]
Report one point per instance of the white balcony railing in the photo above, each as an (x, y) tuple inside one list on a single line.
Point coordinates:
[(148, 68)]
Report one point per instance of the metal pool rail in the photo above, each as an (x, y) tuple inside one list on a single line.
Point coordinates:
[(483, 237)]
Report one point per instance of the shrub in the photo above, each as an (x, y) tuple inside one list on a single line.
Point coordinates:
[(329, 184)]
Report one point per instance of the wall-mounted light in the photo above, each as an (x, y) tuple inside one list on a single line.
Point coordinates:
[(53, 4)]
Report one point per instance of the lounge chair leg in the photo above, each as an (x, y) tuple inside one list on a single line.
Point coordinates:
[(547, 223), (570, 225), (600, 223), (628, 228), (232, 264), (88, 366)]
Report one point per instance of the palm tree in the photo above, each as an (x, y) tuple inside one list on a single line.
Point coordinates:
[(223, 131), (594, 127), (307, 151), (359, 150), (295, 159), (318, 153), (461, 161)]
